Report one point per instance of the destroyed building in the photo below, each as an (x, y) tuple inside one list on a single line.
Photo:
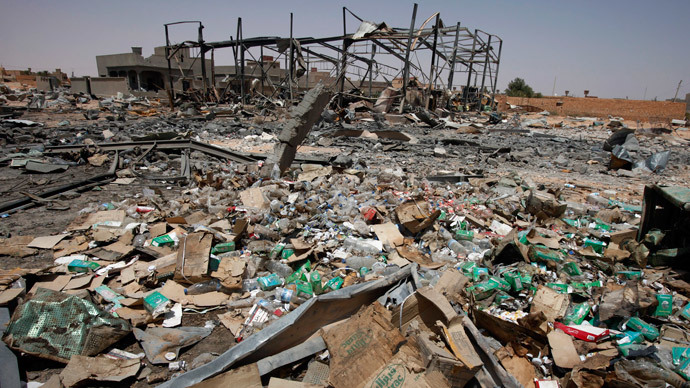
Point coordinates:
[(148, 73), (398, 230)]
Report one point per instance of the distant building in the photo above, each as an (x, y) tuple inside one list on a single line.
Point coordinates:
[(151, 73), (132, 72), (29, 77)]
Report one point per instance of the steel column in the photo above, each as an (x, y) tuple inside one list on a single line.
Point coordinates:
[(406, 69)]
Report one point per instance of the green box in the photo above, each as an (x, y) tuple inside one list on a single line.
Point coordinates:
[(466, 267), (477, 273), (544, 254), (484, 289), (213, 264), (502, 284), (572, 269), (597, 246), (297, 275), (107, 294), (577, 314), (162, 241), (275, 252), (585, 285), (501, 297), (561, 288), (574, 223), (684, 369), (269, 282), (665, 306), (650, 332), (679, 354), (315, 280), (515, 280), (335, 283), (303, 289), (223, 247), (634, 337), (77, 265), (630, 275), (467, 235), (155, 303)]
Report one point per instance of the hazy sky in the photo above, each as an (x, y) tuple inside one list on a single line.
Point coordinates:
[(614, 48)]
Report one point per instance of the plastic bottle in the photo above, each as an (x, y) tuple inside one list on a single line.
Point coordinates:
[(269, 306), (391, 269), (275, 206), (301, 206), (596, 199), (445, 234), (288, 296), (378, 268), (275, 252), (642, 370), (242, 303), (360, 246), (357, 262), (285, 225), (484, 243), (139, 240), (456, 247), (312, 203), (266, 232), (282, 270), (362, 228), (249, 285), (207, 286)]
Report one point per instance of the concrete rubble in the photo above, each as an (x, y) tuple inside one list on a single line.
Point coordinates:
[(323, 245)]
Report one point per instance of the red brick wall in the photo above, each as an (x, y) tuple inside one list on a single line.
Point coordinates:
[(653, 111)]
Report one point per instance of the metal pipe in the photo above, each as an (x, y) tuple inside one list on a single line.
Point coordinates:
[(433, 58), (406, 70), (167, 56), (486, 64), (203, 58), (342, 71), (308, 71), (498, 63), (263, 75), (371, 70), (469, 71), (292, 59), (241, 38), (213, 69)]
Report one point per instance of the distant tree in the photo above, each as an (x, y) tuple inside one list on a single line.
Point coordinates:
[(519, 88), (538, 95)]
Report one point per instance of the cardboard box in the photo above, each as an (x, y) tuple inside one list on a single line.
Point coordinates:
[(584, 332)]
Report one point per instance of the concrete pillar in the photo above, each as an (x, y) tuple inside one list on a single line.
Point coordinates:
[(303, 118), (138, 80)]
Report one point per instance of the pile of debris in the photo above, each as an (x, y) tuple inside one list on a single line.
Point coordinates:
[(209, 266)]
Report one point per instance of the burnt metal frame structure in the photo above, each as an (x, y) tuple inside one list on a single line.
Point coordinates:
[(455, 52)]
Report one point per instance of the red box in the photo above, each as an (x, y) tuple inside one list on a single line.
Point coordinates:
[(584, 332)]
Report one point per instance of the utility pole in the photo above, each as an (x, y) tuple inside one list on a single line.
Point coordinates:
[(553, 91), (677, 89)]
